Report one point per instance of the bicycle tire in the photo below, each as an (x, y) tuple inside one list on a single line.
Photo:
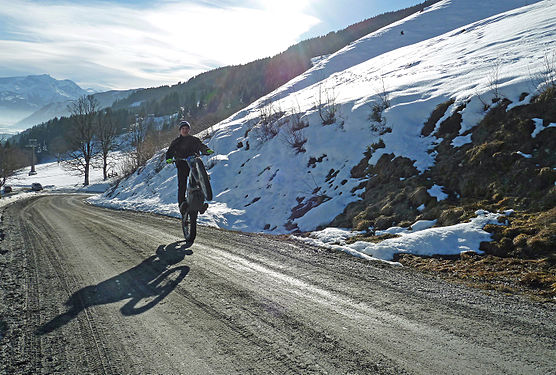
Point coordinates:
[(189, 226), (204, 180)]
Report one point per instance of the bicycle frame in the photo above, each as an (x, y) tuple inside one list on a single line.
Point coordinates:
[(194, 195), (193, 199)]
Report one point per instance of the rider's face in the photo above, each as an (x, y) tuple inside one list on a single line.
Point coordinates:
[(184, 130)]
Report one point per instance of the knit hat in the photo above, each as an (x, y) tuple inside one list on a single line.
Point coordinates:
[(184, 123)]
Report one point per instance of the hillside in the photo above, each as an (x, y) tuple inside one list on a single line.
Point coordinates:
[(389, 132), (417, 78), (212, 96)]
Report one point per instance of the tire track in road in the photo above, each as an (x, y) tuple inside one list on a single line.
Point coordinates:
[(138, 301), (38, 234)]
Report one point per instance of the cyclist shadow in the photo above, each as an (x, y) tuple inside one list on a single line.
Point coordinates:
[(145, 285)]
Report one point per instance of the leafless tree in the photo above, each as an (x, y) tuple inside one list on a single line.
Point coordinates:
[(545, 77), (106, 136), (493, 84), (326, 106), (10, 160), (81, 136), (145, 140), (494, 80), (293, 131), (269, 122), (382, 103)]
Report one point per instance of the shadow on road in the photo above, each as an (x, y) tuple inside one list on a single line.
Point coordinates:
[(145, 285)]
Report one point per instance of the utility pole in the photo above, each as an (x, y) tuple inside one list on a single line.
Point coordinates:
[(32, 144)]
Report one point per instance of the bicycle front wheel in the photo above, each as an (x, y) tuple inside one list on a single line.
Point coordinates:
[(189, 226), (204, 180)]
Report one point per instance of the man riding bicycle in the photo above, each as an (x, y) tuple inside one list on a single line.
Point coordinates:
[(183, 146)]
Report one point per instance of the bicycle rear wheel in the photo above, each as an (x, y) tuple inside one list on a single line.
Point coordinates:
[(189, 226), (204, 180)]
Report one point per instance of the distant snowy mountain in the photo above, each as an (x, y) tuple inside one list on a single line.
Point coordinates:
[(289, 161), (21, 96), (59, 109)]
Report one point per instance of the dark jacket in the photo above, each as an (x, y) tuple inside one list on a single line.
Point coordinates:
[(182, 147)]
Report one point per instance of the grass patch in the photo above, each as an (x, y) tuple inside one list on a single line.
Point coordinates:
[(534, 278)]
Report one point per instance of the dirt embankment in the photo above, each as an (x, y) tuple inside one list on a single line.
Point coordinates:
[(506, 166)]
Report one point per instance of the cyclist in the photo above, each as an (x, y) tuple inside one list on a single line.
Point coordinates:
[(183, 146)]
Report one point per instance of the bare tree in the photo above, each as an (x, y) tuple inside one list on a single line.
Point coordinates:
[(293, 132), (545, 77), (106, 136), (494, 80), (81, 136), (138, 133), (549, 70), (326, 106), (381, 104), (10, 160), (269, 122), (144, 139)]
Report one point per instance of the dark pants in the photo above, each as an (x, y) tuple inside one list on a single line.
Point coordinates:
[(183, 173)]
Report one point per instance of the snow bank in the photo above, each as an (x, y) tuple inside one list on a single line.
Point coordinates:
[(420, 240)]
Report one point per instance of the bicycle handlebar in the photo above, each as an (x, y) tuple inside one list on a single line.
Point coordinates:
[(190, 158)]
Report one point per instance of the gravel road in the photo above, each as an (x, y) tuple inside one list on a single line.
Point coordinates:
[(91, 290)]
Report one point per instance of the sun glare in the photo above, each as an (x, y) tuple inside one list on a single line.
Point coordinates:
[(160, 43), (286, 6)]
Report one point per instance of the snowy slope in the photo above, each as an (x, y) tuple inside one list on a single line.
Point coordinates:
[(450, 50)]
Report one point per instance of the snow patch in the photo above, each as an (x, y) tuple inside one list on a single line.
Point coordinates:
[(539, 127), (427, 241), (436, 192), (461, 140), (526, 156)]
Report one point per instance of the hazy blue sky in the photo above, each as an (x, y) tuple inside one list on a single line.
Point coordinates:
[(128, 44)]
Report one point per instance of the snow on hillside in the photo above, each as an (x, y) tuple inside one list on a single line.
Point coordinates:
[(21, 96), (37, 91), (451, 50)]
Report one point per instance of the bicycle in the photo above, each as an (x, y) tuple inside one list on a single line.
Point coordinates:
[(198, 191)]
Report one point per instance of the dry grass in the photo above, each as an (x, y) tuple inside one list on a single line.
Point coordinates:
[(535, 278), (520, 259)]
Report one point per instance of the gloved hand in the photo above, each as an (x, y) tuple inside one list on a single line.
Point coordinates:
[(169, 161), (209, 152)]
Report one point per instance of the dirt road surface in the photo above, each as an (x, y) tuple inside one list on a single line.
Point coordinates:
[(91, 290)]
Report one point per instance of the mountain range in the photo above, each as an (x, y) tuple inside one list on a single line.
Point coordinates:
[(34, 99), (21, 96)]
